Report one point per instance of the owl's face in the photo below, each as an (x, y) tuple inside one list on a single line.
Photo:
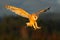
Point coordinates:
[(34, 17)]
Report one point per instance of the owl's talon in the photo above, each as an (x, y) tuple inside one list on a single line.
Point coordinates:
[(28, 24), (38, 27)]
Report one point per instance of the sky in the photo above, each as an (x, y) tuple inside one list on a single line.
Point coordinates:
[(30, 6)]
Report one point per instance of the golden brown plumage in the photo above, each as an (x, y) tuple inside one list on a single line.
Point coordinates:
[(32, 17)]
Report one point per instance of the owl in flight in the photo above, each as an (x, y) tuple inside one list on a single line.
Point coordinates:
[(32, 17)]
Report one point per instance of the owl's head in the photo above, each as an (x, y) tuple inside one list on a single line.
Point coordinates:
[(34, 17)]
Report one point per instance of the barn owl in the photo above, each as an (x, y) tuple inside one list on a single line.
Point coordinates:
[(32, 17)]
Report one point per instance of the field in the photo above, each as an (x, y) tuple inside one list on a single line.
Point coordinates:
[(14, 28)]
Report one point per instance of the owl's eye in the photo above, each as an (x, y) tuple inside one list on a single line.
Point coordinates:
[(35, 17)]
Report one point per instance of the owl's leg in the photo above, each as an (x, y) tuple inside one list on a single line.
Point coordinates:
[(34, 27), (37, 26)]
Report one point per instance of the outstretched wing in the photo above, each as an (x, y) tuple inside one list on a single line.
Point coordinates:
[(41, 11), (18, 11)]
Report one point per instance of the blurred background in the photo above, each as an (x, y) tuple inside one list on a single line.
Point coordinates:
[(13, 27)]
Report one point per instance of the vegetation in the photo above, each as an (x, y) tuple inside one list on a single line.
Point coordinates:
[(14, 28)]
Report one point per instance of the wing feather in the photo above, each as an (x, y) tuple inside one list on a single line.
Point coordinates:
[(41, 11), (18, 11)]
